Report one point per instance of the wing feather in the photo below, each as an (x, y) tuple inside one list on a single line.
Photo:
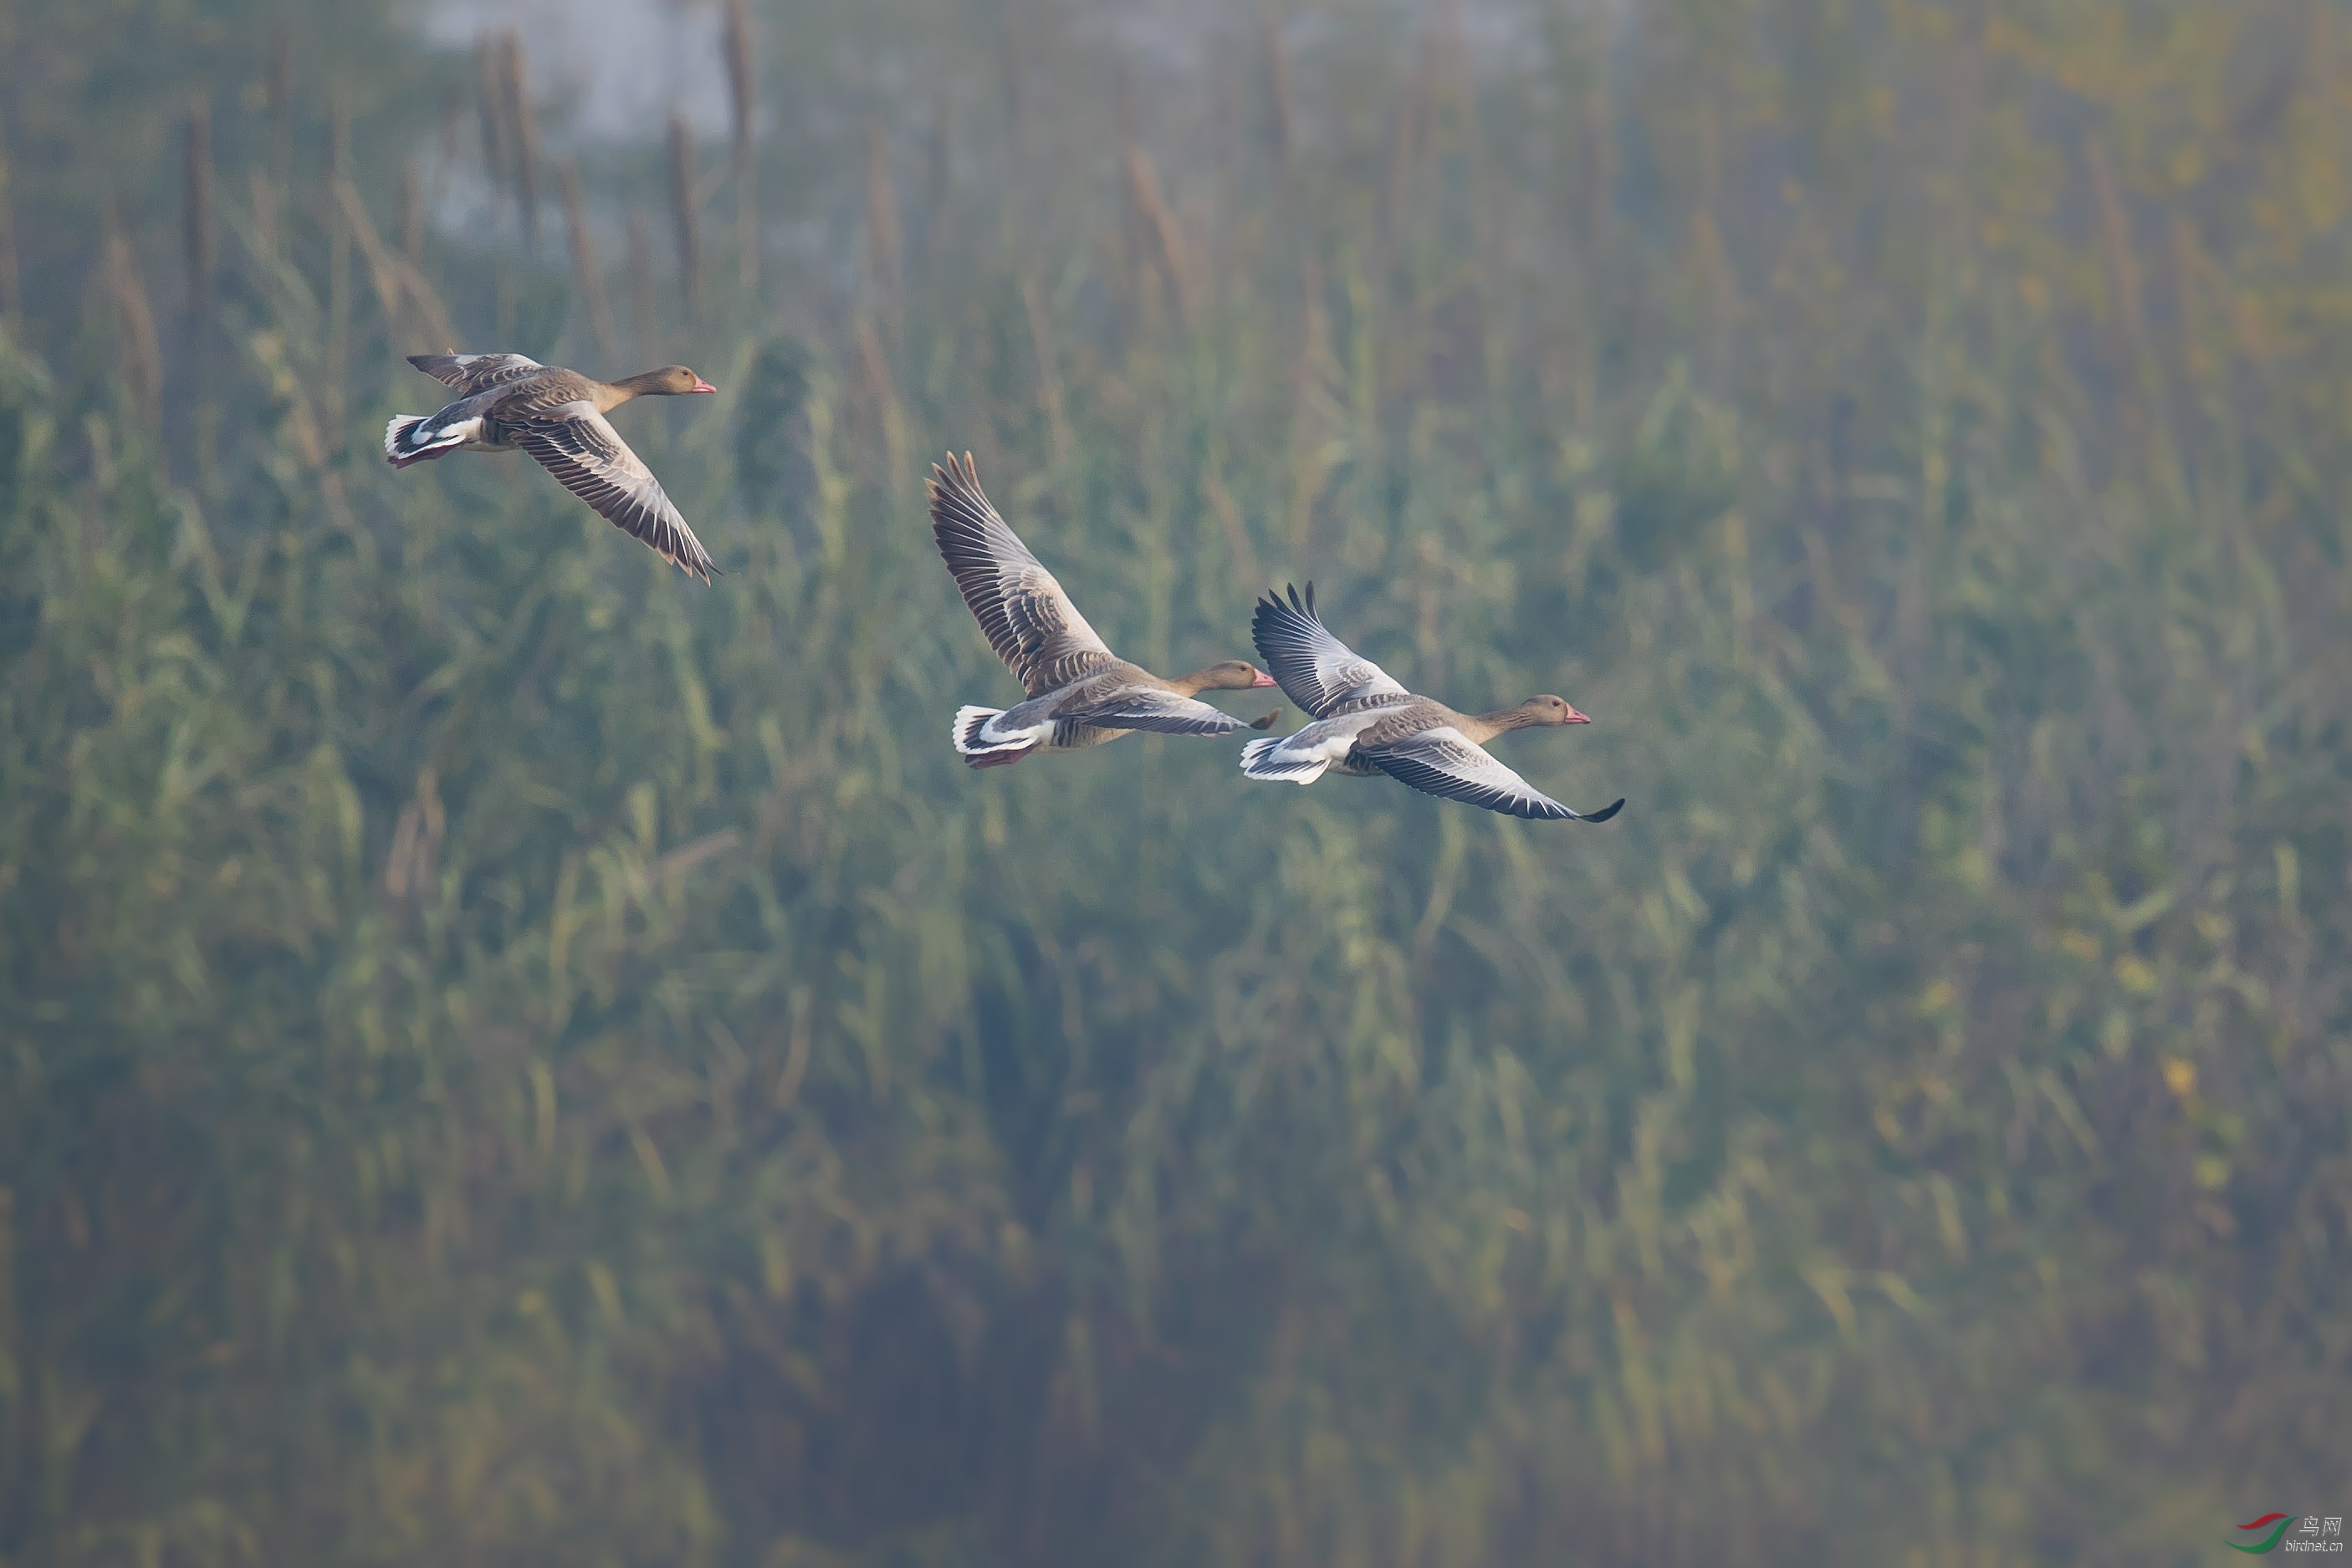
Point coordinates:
[(1318, 672), (1027, 618), (587, 456), (1445, 763), (1162, 713), (472, 373)]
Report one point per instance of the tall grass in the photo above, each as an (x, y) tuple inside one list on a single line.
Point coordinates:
[(513, 1056)]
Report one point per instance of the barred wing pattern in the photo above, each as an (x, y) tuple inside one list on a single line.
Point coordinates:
[(587, 456), (1027, 618), (1446, 763), (1317, 671), (472, 373)]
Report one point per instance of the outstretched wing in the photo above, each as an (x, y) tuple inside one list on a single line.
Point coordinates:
[(1027, 618), (1163, 713), (1319, 672), (1445, 763), (576, 445), (471, 373)]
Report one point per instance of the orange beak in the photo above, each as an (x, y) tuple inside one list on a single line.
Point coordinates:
[(701, 386), (1262, 679)]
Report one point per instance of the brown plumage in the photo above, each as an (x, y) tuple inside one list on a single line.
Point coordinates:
[(1079, 693), (509, 403), (1365, 724)]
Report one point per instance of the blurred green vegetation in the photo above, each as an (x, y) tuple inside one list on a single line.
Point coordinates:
[(509, 1057)]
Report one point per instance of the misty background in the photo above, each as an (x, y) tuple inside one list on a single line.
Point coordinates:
[(509, 1056)]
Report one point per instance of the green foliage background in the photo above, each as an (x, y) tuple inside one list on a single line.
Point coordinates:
[(508, 1056)]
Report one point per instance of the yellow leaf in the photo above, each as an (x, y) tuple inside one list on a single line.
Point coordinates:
[(2180, 1077)]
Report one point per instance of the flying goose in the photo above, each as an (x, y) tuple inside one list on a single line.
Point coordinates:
[(509, 403), (1079, 692), (1364, 723)]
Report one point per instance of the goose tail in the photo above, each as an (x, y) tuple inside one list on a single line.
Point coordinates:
[(981, 749), (1264, 760), (410, 438)]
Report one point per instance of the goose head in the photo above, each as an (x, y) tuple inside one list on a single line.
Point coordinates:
[(1231, 676), (670, 380)]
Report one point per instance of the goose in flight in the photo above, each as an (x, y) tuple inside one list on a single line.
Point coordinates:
[(1079, 692), (509, 403), (1364, 725)]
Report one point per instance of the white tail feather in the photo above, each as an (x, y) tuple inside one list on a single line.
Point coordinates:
[(1261, 760), (969, 722), (407, 440), (395, 434)]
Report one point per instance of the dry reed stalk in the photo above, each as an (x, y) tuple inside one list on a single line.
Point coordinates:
[(2124, 297), (1123, 102), (940, 168), (413, 863), (383, 268), (1049, 368), (1313, 418), (11, 296), (265, 212), (882, 246), (522, 138), (1237, 540), (433, 317), (486, 99), (196, 217), (281, 105), (1601, 165), (685, 214), (140, 352), (583, 262), (338, 259), (444, 144), (412, 213), (1278, 118), (1408, 128), (645, 309), (196, 236), (876, 366), (1016, 63), (740, 90), (1158, 223)]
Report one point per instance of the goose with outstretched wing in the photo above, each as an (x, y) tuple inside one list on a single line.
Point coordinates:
[(1079, 693), (1364, 725), (509, 403)]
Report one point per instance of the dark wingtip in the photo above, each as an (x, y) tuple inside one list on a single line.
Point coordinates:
[(1268, 722), (1605, 812)]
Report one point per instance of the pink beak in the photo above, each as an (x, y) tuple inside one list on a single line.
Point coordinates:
[(701, 386), (1262, 679), (1576, 717)]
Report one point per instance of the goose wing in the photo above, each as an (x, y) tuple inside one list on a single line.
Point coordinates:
[(1163, 713), (1318, 672), (1446, 763), (472, 373), (582, 449), (1027, 618)]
